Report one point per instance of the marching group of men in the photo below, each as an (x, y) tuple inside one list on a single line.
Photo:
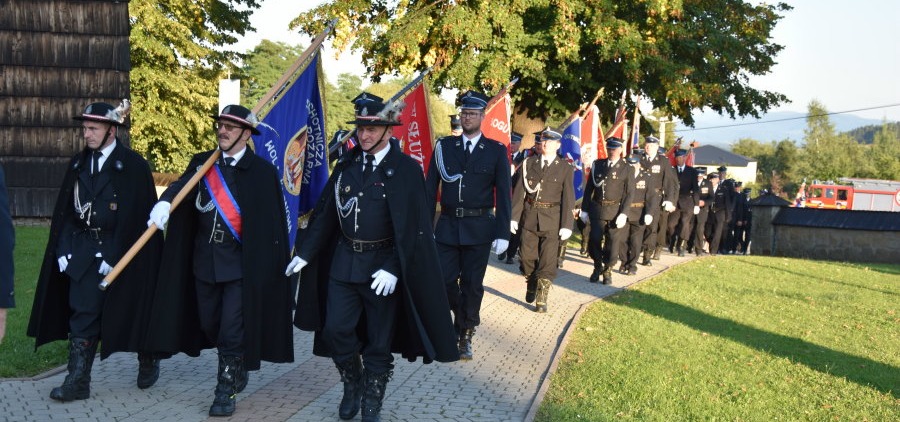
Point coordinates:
[(363, 270)]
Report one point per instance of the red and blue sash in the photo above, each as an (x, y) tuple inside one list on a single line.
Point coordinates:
[(224, 200)]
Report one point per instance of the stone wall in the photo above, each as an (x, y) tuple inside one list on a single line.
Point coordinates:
[(837, 244)]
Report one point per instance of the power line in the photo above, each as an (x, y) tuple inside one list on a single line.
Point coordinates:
[(788, 118)]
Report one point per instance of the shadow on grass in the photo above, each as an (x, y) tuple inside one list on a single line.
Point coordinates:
[(819, 279), (859, 370)]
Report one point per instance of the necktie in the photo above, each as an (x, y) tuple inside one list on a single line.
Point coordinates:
[(468, 149), (543, 164), (95, 166), (367, 170), (229, 161)]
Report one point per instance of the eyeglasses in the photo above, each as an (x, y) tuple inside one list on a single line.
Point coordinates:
[(226, 126)]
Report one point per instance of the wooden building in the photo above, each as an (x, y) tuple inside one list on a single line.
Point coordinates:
[(56, 56)]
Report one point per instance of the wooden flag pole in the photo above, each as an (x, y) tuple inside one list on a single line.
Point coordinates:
[(129, 255)]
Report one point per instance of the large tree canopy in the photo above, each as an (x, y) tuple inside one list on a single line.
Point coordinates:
[(176, 61), (683, 55)]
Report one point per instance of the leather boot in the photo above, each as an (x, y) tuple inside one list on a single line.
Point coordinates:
[(607, 275), (241, 374), (77, 385), (681, 247), (530, 289), (540, 301), (373, 396), (224, 402), (595, 275), (465, 344), (352, 376), (646, 261), (148, 370), (657, 252)]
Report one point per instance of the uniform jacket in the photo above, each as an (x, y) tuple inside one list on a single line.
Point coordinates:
[(663, 181), (688, 189), (129, 194), (608, 190), (486, 177), (556, 187), (267, 296), (641, 200), (7, 242), (720, 199), (706, 193), (423, 326)]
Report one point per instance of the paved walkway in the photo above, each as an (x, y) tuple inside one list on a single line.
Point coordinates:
[(515, 351)]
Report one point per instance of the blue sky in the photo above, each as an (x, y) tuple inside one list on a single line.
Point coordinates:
[(845, 54)]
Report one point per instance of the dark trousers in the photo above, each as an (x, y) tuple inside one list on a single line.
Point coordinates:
[(631, 251), (700, 229), (680, 220), (540, 253), (605, 242), (464, 267), (657, 236), (585, 233), (345, 305), (514, 243), (220, 306), (717, 224), (86, 303)]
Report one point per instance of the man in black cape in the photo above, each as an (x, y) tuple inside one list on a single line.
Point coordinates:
[(105, 196), (221, 282), (373, 284)]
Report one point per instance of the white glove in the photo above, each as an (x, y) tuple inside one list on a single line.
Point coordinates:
[(584, 217), (499, 246), (385, 282), (565, 234), (295, 266), (668, 206), (63, 262), (696, 210), (104, 268), (648, 219), (159, 215), (621, 219), (513, 227)]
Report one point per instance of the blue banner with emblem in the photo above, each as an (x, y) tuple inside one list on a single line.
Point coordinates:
[(293, 139), (570, 149)]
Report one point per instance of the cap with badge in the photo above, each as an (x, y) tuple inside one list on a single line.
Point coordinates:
[(722, 168), (550, 135), (367, 108), (241, 115), (613, 143), (106, 113), (635, 157), (649, 139), (515, 137), (701, 171), (455, 123), (681, 152), (712, 176), (472, 100)]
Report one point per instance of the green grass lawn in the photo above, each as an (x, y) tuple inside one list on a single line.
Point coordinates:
[(17, 355), (738, 338)]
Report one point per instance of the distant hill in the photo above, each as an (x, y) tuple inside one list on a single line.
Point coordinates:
[(866, 134), (712, 129)]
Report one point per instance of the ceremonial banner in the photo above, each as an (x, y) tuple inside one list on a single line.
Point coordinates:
[(496, 121), (570, 149), (293, 139), (415, 131), (636, 128), (592, 140)]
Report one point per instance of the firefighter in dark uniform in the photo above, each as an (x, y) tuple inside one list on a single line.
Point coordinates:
[(516, 157), (99, 214), (607, 197), (746, 220), (698, 240), (471, 172), (735, 220), (727, 184), (227, 238), (639, 216), (662, 186), (688, 202), (375, 207), (543, 198), (7, 243), (718, 213)]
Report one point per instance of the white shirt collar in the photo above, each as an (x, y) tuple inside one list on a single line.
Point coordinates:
[(237, 156), (474, 140), (379, 155), (107, 150)]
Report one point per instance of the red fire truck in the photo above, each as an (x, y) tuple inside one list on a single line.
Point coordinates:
[(852, 194)]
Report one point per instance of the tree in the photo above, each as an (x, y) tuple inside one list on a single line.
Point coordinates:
[(884, 153), (263, 66), (177, 57), (681, 55), (829, 156)]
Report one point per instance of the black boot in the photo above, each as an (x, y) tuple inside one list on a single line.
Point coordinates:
[(223, 404), (681, 248), (373, 396), (465, 343), (530, 289), (646, 261), (501, 257), (657, 252), (77, 385), (540, 301), (148, 370), (595, 275), (607, 275), (241, 374), (352, 376)]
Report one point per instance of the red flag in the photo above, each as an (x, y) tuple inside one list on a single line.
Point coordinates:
[(590, 136), (496, 121), (415, 131)]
